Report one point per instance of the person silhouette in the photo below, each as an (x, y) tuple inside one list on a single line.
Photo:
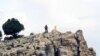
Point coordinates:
[(46, 29)]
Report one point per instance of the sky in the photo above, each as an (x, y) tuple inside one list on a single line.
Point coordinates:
[(67, 15)]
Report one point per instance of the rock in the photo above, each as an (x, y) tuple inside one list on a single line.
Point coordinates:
[(52, 43)]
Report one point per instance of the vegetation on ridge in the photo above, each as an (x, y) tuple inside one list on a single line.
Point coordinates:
[(0, 34), (12, 27)]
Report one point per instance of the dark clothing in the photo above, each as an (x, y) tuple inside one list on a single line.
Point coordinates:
[(46, 29)]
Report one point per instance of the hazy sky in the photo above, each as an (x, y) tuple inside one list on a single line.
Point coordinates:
[(68, 15)]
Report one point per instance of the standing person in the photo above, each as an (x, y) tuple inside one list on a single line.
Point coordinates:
[(54, 28), (46, 29)]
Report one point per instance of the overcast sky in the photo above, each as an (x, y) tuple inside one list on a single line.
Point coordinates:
[(68, 15)]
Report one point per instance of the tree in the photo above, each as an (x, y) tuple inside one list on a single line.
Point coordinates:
[(0, 34), (31, 33), (12, 27)]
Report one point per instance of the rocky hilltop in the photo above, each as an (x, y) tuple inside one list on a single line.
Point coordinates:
[(53, 43)]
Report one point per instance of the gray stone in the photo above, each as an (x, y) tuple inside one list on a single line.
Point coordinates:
[(52, 43)]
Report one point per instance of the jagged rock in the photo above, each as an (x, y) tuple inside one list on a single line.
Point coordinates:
[(52, 43)]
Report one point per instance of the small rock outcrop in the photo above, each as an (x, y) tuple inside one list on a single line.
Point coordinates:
[(53, 43)]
